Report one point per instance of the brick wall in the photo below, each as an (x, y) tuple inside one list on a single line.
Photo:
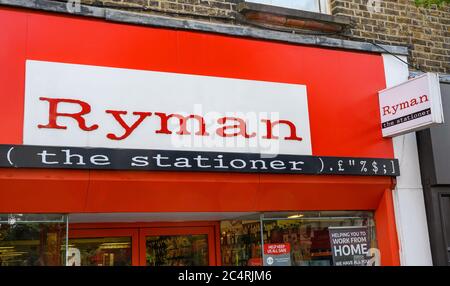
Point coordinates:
[(213, 10), (397, 22)]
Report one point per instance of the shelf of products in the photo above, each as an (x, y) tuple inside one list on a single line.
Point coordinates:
[(179, 250), (241, 244), (309, 241)]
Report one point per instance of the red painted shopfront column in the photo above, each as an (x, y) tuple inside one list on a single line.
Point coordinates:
[(386, 230)]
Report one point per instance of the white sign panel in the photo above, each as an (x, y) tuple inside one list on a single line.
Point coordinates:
[(93, 106), (411, 106)]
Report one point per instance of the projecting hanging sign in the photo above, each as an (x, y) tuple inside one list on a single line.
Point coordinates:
[(411, 106)]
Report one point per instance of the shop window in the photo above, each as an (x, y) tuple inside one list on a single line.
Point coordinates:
[(306, 236), (32, 240), (318, 6), (241, 243)]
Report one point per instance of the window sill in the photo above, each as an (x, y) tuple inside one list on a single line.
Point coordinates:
[(291, 18)]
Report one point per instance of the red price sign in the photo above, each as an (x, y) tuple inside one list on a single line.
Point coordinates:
[(277, 248)]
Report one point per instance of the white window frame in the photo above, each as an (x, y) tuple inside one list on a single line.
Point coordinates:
[(324, 5)]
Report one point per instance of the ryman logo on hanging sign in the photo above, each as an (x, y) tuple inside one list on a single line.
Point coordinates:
[(411, 106), (92, 106)]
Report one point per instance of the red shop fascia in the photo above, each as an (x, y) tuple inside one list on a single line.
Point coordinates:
[(326, 99)]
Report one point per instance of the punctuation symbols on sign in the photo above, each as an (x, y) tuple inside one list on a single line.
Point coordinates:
[(363, 166), (340, 169), (8, 156), (384, 169), (351, 162), (393, 166), (322, 166), (374, 167)]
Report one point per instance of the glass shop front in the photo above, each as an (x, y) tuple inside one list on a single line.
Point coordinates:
[(245, 240), (33, 240)]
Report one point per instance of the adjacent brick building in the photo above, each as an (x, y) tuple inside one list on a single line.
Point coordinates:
[(426, 32)]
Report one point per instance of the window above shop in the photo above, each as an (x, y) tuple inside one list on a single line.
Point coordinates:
[(292, 15), (318, 6)]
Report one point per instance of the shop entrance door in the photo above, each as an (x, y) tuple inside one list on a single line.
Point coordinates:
[(103, 247), (142, 244), (177, 246)]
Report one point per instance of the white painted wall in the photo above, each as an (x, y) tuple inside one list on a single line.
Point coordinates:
[(409, 204)]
